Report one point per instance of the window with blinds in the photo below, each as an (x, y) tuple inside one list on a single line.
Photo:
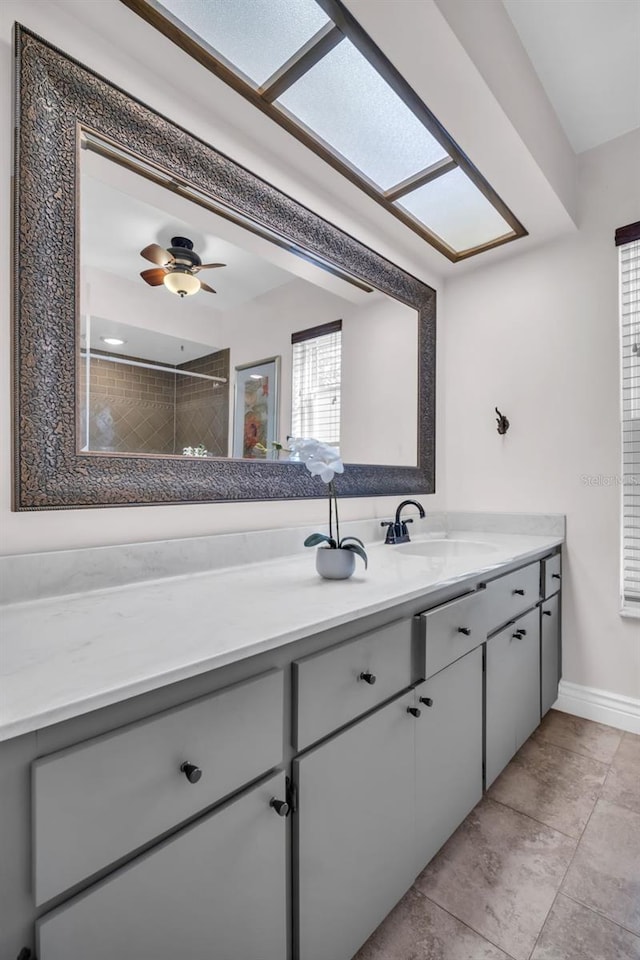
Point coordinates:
[(628, 241), (315, 389)]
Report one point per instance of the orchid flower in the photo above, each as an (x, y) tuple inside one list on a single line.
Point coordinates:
[(324, 461)]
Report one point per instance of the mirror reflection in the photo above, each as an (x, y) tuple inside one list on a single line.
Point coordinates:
[(201, 337)]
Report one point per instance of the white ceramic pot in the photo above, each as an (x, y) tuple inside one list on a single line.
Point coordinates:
[(335, 564)]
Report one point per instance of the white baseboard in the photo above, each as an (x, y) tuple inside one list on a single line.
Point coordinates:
[(599, 705)]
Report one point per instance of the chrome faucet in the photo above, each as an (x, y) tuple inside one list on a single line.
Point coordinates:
[(397, 529)]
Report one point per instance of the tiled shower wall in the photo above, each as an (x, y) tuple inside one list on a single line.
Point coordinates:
[(137, 410), (202, 406)]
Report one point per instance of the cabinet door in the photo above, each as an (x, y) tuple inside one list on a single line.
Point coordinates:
[(500, 737), (216, 891), (448, 752), (526, 680), (512, 691), (354, 832), (549, 653)]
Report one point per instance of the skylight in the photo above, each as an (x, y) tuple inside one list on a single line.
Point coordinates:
[(367, 106), (310, 66), (252, 36)]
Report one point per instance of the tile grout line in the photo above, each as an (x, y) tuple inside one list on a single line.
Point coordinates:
[(547, 827), (603, 916), (541, 822), (585, 756), (558, 891), (465, 924)]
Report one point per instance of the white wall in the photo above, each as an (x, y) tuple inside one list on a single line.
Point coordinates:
[(379, 422), (538, 337), (122, 48)]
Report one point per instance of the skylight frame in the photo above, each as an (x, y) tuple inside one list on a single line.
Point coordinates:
[(343, 25)]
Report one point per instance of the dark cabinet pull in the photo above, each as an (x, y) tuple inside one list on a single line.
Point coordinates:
[(556, 576), (368, 678), (519, 593), (428, 702), (414, 712), (546, 613), (191, 772), (521, 631), (281, 807), (465, 630)]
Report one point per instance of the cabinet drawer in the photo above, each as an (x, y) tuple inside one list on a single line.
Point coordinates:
[(551, 575), (450, 631), (215, 891), (96, 802), (511, 595), (336, 686)]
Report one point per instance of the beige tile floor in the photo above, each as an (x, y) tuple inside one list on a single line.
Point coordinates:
[(546, 867)]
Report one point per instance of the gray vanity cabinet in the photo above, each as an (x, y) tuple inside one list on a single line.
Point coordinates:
[(354, 832), (448, 752), (550, 653), (512, 691), (217, 890)]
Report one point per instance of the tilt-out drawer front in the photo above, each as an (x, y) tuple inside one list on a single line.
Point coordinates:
[(96, 802), (452, 630), (216, 890), (511, 595), (551, 575), (336, 686)]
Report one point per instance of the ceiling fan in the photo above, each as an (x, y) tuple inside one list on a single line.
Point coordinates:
[(176, 267)]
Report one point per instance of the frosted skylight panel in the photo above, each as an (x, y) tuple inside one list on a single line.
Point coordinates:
[(255, 36), (343, 100), (453, 208)]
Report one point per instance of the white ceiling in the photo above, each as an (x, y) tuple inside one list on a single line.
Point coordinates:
[(587, 56), (116, 225)]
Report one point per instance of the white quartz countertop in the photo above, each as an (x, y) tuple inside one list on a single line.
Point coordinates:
[(64, 656)]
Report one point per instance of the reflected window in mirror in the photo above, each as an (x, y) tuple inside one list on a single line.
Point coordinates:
[(317, 377)]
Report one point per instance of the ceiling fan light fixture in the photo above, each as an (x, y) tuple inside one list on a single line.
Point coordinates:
[(182, 283)]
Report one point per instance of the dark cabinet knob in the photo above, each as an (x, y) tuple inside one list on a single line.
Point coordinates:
[(546, 613), (191, 772), (465, 630), (368, 678), (414, 712), (281, 807), (519, 593), (556, 576), (428, 702)]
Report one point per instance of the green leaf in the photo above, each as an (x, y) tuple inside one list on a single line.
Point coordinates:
[(356, 549), (315, 538), (355, 539)]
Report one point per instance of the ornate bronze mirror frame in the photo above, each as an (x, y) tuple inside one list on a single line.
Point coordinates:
[(57, 98)]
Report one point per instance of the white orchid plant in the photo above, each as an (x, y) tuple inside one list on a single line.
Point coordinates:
[(323, 461)]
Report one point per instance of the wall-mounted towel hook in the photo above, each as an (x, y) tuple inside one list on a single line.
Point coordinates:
[(503, 423)]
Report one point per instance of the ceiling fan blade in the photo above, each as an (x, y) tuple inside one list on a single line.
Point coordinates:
[(205, 286), (156, 254), (208, 266), (154, 277)]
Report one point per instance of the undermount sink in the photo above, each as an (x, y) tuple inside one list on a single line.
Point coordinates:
[(445, 548)]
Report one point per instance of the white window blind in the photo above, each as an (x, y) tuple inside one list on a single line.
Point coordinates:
[(630, 375), (317, 366)]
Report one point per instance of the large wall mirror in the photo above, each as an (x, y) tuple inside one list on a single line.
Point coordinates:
[(177, 318)]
